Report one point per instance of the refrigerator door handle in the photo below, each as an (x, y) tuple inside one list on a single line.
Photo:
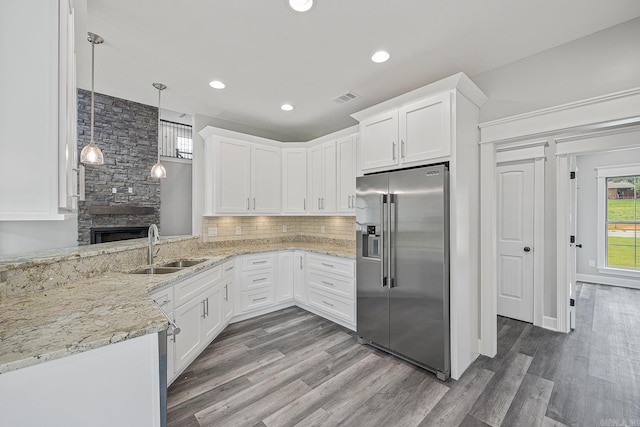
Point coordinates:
[(383, 252), (391, 217)]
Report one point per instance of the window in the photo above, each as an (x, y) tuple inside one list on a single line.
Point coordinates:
[(176, 140), (623, 222), (619, 219)]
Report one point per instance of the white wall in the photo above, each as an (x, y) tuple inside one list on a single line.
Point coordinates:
[(601, 63), (588, 203), (175, 198), (27, 236)]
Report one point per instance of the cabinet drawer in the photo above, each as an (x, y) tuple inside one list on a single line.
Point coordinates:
[(338, 307), (334, 265), (253, 300), (253, 262), (257, 279), (228, 268), (188, 288), (164, 299), (333, 285)]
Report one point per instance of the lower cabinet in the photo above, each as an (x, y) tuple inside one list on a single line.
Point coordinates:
[(258, 281), (299, 279), (286, 280)]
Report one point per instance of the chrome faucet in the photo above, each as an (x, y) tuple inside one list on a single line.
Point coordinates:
[(154, 237)]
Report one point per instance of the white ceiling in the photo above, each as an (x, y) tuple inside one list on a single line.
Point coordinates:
[(268, 55)]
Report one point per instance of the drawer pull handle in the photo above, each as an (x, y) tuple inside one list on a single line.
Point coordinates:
[(163, 303), (328, 265), (228, 268), (260, 279), (260, 262), (328, 283), (259, 299), (327, 303)]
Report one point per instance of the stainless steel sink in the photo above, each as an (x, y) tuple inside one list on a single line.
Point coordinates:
[(183, 263), (156, 270)]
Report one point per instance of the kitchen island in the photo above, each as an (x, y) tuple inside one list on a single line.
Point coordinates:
[(106, 323)]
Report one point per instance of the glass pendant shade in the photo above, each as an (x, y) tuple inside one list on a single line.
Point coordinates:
[(91, 154), (158, 171)]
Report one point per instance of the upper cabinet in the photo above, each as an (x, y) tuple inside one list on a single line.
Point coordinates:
[(246, 177), (346, 157), (294, 180), (322, 178), (37, 177), (407, 136)]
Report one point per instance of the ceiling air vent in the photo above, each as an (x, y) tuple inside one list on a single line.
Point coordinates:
[(346, 97)]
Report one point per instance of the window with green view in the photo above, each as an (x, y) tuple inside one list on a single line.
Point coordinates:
[(623, 222)]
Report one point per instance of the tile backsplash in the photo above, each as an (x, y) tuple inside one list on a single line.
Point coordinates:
[(271, 227)]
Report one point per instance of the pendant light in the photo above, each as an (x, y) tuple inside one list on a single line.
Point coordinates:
[(158, 170), (91, 154)]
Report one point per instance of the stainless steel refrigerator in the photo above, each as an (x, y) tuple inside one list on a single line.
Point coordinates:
[(402, 234)]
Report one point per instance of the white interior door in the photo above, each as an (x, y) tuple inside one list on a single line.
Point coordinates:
[(515, 240)]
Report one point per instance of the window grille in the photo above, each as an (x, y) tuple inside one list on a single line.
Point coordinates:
[(177, 140)]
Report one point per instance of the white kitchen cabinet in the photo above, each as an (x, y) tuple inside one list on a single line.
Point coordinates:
[(294, 180), (299, 280), (425, 129), (189, 342), (265, 179), (411, 135), (164, 298), (285, 276), (379, 141), (212, 313), (37, 180), (247, 178), (346, 156), (330, 287), (227, 286), (258, 281), (322, 178), (232, 176)]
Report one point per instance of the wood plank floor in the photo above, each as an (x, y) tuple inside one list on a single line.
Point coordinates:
[(294, 368)]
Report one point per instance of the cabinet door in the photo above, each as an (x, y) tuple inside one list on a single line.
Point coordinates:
[(329, 172), (265, 179), (227, 289), (189, 340), (294, 180), (315, 179), (171, 348), (379, 141), (299, 280), (212, 315), (425, 129), (346, 175), (232, 163), (285, 276)]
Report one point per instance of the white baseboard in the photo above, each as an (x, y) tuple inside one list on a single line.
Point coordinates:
[(326, 316), (608, 280), (252, 314), (550, 323)]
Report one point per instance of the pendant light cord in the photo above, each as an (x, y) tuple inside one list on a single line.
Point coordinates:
[(159, 125), (93, 47)]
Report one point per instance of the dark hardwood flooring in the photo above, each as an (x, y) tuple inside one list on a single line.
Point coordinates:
[(294, 368)]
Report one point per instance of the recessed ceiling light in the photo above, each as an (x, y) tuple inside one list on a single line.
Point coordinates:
[(380, 56), (216, 84), (301, 5), (287, 107)]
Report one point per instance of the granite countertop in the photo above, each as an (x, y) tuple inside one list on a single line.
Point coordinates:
[(102, 310)]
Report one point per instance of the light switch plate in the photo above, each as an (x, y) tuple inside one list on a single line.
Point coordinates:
[(592, 263), (238, 230), (213, 231), (130, 190), (114, 190), (284, 228), (322, 228)]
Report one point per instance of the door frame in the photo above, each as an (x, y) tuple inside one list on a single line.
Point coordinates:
[(535, 153), (560, 124)]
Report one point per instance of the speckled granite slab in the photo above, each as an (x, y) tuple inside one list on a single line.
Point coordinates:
[(89, 313)]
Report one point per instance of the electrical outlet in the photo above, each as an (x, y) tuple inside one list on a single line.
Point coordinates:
[(213, 231), (238, 230), (322, 229), (130, 190), (284, 228), (592, 263), (114, 190)]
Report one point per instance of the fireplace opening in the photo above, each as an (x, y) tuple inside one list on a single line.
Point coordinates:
[(112, 234)]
